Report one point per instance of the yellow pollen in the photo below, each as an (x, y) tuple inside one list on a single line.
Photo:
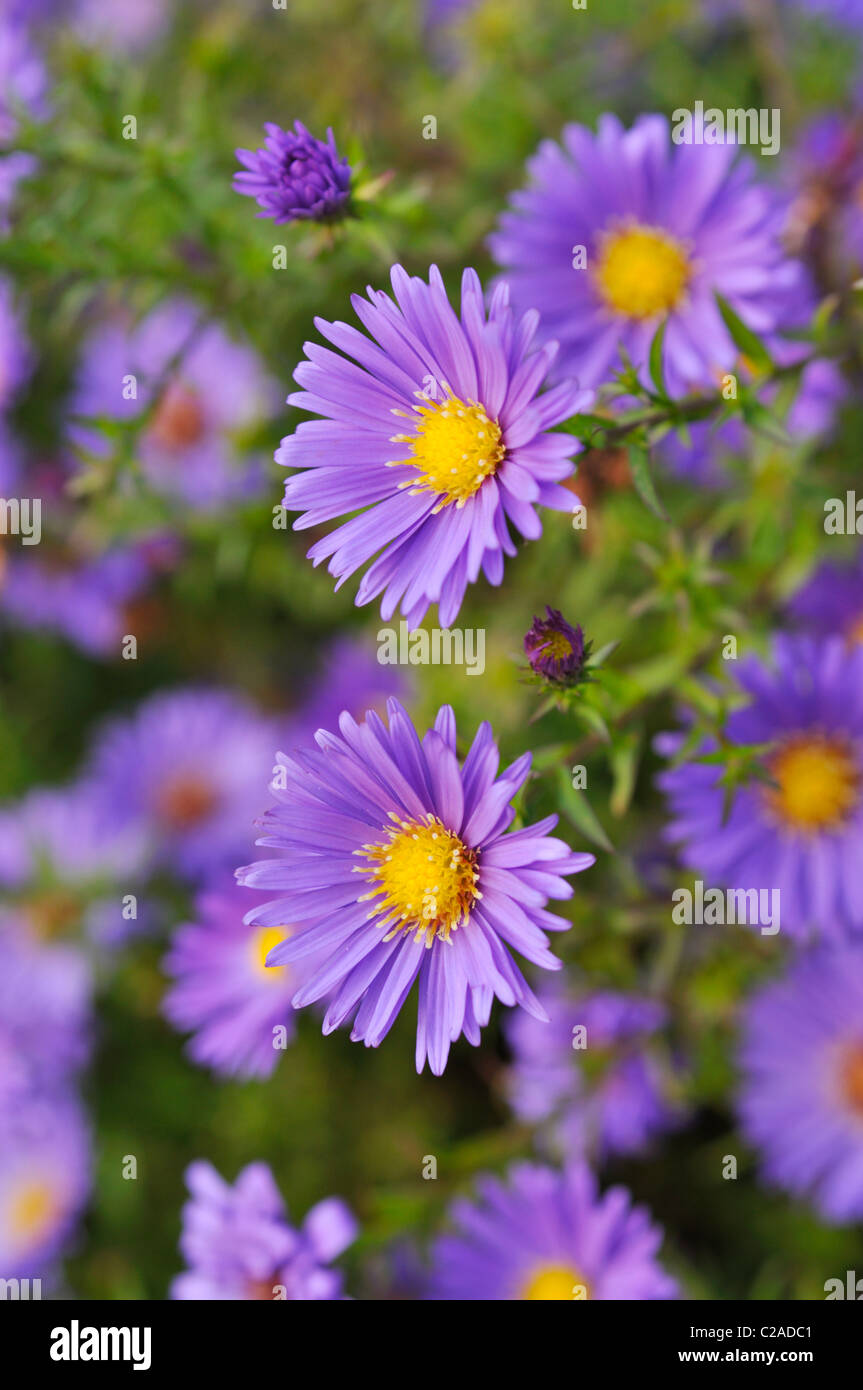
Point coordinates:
[(423, 878), (264, 939), (855, 632), (817, 784), (641, 271), (32, 1210), (455, 448), (852, 1077), (556, 645), (554, 1284)]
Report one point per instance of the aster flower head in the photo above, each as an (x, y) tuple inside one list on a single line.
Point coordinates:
[(664, 227), (548, 1236), (44, 1182), (63, 854), (184, 772), (801, 1094), (201, 388), (436, 434), (404, 859), (832, 600), (83, 598), (555, 649), (295, 177), (237, 1006), (592, 1074), (239, 1245), (800, 830)]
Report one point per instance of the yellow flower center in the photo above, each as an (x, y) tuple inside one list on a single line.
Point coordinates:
[(178, 421), (554, 1284), (855, 632), (455, 448), (851, 1075), (817, 784), (32, 1210), (424, 879), (185, 801), (53, 912), (641, 271), (264, 939), (556, 645)]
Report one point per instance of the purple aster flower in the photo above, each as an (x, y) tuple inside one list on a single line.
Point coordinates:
[(554, 649), (238, 1007), (239, 1245), (185, 771), (44, 1014), (404, 855), (84, 599), (832, 600), (295, 177), (801, 831), (663, 227), (801, 1099), (611, 1093), (213, 393), (66, 863), (548, 1236), (44, 1183), (472, 453)]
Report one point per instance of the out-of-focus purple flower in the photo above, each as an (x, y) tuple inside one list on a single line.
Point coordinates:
[(22, 79), (237, 1006), (238, 1244), (832, 600), (44, 1183), (185, 771), (801, 832), (44, 1014), (350, 678), (825, 176), (810, 418), (66, 863), (84, 600), (215, 391), (592, 1072), (15, 355), (555, 649), (404, 855), (801, 1098), (473, 453), (548, 1236), (295, 177), (125, 28), (663, 227)]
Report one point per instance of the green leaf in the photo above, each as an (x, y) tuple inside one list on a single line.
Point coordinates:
[(743, 338), (639, 466), (577, 809), (655, 359)]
